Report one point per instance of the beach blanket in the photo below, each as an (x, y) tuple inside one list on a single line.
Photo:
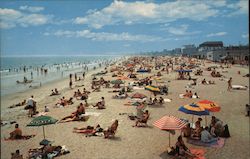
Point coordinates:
[(216, 144), (239, 87), (24, 137), (199, 153), (138, 88), (167, 100), (92, 113)]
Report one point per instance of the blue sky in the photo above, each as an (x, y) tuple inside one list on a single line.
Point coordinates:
[(118, 27)]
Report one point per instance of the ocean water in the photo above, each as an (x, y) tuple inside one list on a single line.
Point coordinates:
[(16, 68)]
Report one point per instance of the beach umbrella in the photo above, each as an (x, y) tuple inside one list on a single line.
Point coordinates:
[(209, 105), (183, 70), (138, 96), (168, 122), (142, 71), (193, 109), (152, 88), (117, 82), (41, 121)]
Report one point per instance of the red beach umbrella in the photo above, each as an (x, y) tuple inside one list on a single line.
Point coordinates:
[(169, 123)]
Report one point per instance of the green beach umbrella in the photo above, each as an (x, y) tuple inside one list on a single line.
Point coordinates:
[(117, 82), (41, 121)]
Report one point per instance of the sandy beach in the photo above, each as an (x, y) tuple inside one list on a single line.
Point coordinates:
[(131, 142)]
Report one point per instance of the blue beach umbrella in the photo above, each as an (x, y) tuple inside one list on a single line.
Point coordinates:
[(193, 109)]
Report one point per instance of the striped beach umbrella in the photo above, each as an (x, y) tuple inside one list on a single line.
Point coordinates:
[(168, 122), (138, 95), (152, 88), (209, 105)]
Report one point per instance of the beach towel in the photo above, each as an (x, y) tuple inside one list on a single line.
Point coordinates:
[(167, 100), (181, 95), (92, 113), (239, 87), (199, 153), (216, 144), (138, 88), (24, 137)]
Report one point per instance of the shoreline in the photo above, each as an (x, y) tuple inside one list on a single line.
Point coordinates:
[(232, 113)]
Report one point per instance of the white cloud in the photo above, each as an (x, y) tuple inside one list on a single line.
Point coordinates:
[(31, 9), (216, 3), (146, 12), (245, 36), (104, 36), (217, 34), (239, 8), (182, 30), (11, 18)]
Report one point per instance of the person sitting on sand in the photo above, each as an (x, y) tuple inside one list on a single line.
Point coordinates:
[(111, 130), (155, 101), (187, 131), (182, 149), (204, 81), (100, 104), (17, 133), (198, 128), (150, 101), (211, 82), (16, 155), (190, 94), (218, 74), (206, 136), (186, 94), (143, 119), (195, 95), (161, 100)]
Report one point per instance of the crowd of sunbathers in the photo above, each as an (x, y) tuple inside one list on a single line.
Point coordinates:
[(155, 101), (189, 94), (208, 134), (207, 82)]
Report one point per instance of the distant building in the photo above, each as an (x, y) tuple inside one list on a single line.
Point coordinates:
[(210, 46), (206, 47), (236, 54), (189, 50)]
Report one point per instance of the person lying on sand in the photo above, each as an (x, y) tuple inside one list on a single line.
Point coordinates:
[(90, 130), (100, 104), (63, 102), (75, 116), (111, 130), (54, 92), (18, 104)]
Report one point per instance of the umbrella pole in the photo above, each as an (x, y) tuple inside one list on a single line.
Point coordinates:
[(206, 119), (43, 133), (192, 119), (169, 139)]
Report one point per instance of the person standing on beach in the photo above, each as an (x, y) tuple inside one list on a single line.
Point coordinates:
[(31, 103), (70, 83), (229, 84)]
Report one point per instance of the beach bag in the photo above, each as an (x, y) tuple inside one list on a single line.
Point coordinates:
[(226, 133), (28, 107), (171, 151)]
